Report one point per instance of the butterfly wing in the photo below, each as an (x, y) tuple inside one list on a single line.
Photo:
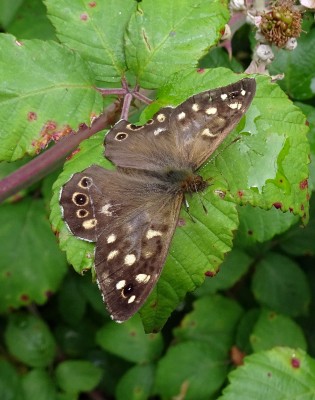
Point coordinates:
[(184, 136), (132, 219)]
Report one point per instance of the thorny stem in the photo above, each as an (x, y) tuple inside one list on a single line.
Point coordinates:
[(52, 158)]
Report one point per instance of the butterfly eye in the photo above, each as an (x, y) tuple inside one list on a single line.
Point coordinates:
[(121, 136), (85, 182), (80, 199)]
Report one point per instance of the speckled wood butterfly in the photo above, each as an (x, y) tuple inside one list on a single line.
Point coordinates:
[(132, 212)]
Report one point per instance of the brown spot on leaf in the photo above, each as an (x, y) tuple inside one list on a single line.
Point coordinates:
[(92, 4), (240, 193), (304, 184), (24, 297), (250, 232), (237, 356), (277, 205), (290, 209), (32, 116), (73, 153), (48, 294), (210, 274), (83, 17), (200, 70), (50, 133), (295, 362)]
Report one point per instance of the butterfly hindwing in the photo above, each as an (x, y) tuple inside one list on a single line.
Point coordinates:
[(132, 227)]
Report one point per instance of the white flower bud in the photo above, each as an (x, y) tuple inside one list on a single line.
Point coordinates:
[(237, 5), (291, 44), (264, 54), (227, 33)]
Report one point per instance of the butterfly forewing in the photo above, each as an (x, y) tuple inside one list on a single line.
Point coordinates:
[(203, 121), (183, 136)]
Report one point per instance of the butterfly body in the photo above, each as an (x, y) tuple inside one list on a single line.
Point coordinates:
[(131, 213)]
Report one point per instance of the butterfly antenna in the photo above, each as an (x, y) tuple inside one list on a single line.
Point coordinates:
[(187, 209)]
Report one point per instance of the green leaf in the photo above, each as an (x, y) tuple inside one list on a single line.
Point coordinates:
[(277, 374), (76, 341), (259, 226), (129, 341), (190, 370), (245, 328), (76, 376), (218, 57), (8, 10), (170, 36), (281, 285), (31, 264), (273, 330), (298, 67), (137, 383), (212, 320), (48, 98), (10, 382), (95, 30), (299, 241), (235, 265), (37, 384), (31, 22), (71, 303), (29, 339)]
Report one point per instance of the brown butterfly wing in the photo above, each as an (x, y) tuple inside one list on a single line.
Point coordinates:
[(181, 137), (132, 220)]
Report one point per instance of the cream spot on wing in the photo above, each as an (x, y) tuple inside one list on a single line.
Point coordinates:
[(235, 106), (158, 131), (130, 259), (206, 132), (112, 255), (131, 299), (90, 223), (147, 254), (111, 238), (105, 210), (161, 117), (211, 110), (243, 92), (143, 278), (181, 116), (224, 96), (152, 233), (195, 107), (121, 284)]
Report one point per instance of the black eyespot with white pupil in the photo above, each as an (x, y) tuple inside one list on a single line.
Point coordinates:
[(232, 95), (85, 182), (80, 199), (121, 136), (128, 290)]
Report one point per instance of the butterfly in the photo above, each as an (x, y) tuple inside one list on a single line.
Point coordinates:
[(131, 213)]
